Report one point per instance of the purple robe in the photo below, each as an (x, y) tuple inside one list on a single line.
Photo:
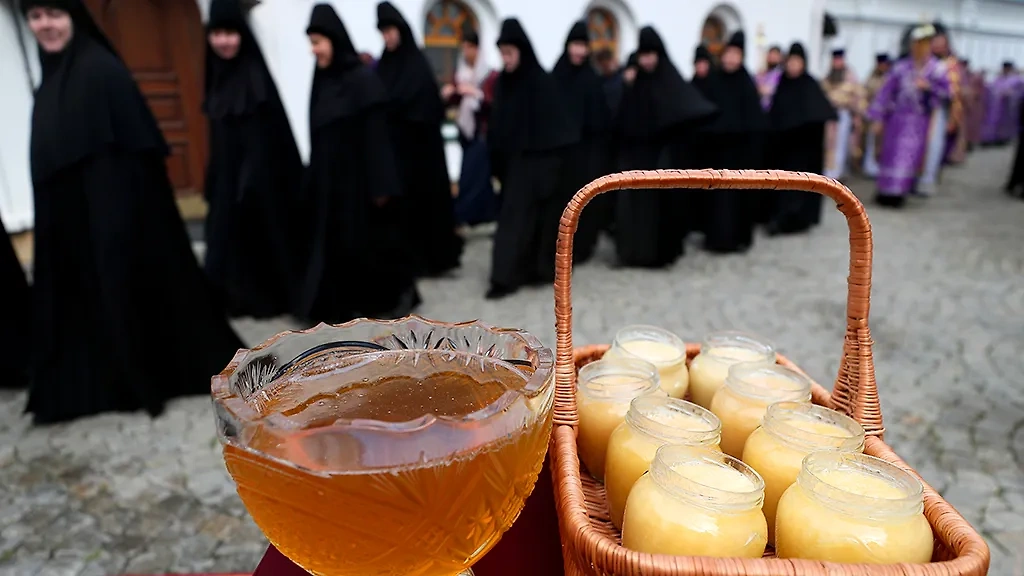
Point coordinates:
[(1003, 101), (906, 112), (767, 82), (974, 108)]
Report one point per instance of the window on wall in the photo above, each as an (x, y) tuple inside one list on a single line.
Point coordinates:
[(446, 21), (604, 31)]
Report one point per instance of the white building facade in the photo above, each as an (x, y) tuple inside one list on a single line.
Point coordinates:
[(866, 26)]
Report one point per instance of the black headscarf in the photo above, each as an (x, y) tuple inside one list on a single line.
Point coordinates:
[(660, 99), (346, 87), (581, 86), (529, 113), (88, 101), (701, 54), (406, 73), (703, 83), (235, 87), (799, 101), (735, 93)]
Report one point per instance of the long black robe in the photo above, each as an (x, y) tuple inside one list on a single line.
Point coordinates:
[(122, 316), (14, 328), (251, 180), (590, 158), (360, 261), (657, 128), (733, 141), (415, 116), (797, 117), (530, 134), (1015, 186)]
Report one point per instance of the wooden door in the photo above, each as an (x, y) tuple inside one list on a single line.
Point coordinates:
[(162, 42)]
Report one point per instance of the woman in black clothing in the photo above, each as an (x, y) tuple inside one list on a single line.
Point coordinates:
[(14, 328), (415, 116), (360, 261), (253, 173), (113, 263), (530, 137), (657, 126), (798, 115)]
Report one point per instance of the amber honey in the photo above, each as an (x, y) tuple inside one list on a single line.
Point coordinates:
[(397, 465)]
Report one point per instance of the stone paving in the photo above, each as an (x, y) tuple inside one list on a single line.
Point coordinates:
[(124, 493)]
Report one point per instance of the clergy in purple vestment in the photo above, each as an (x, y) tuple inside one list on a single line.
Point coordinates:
[(768, 79), (914, 91), (974, 105), (1004, 93)]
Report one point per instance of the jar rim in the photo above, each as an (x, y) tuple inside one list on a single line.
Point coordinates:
[(778, 422), (647, 414), (742, 381), (649, 333), (670, 460), (644, 379), (813, 479), (714, 342)]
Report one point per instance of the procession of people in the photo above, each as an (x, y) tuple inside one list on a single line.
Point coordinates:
[(350, 233)]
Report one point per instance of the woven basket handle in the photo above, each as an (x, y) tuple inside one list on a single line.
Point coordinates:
[(855, 391)]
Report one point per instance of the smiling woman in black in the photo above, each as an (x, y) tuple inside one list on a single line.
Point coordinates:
[(122, 317), (252, 178)]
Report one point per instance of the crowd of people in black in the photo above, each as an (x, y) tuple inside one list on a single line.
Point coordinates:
[(115, 280)]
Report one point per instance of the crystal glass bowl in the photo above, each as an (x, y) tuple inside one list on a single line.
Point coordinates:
[(403, 447)]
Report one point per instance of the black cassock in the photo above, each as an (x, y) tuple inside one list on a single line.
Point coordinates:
[(252, 179), (1015, 186), (14, 328), (797, 120), (122, 315), (733, 141), (530, 136), (657, 126), (590, 158), (415, 116), (360, 262)]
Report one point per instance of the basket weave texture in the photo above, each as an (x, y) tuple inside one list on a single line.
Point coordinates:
[(592, 545)]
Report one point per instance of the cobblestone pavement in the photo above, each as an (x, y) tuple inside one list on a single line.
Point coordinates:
[(124, 493)]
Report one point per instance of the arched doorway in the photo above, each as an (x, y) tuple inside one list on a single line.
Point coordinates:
[(162, 42), (604, 31), (446, 21), (721, 23)]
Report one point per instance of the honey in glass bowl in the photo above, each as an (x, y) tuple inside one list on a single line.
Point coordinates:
[(719, 352), (395, 448), (659, 347)]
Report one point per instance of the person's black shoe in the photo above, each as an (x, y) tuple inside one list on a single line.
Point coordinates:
[(890, 201), (497, 292)]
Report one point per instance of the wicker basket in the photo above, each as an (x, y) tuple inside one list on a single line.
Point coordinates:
[(591, 544)]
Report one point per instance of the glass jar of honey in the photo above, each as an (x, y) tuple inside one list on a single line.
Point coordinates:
[(853, 508), (749, 390), (718, 352), (651, 422), (659, 347), (696, 502), (604, 390), (789, 432)]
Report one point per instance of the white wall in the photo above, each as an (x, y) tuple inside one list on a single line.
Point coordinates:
[(15, 119)]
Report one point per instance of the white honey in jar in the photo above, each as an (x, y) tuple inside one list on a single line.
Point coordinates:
[(604, 390), (853, 508), (789, 432), (652, 422), (696, 502), (749, 390), (719, 352), (659, 347)]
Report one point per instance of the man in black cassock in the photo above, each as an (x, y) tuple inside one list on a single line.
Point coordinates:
[(530, 136), (415, 115), (797, 120), (15, 327), (588, 111), (122, 316), (657, 128), (360, 260), (734, 141), (253, 176)]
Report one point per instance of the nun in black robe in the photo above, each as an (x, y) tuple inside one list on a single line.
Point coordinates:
[(14, 328), (703, 68), (530, 138), (797, 118), (415, 116), (590, 159), (733, 141), (252, 178), (360, 261), (657, 126), (122, 316)]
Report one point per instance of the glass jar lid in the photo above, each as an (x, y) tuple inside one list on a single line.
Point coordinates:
[(617, 379)]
